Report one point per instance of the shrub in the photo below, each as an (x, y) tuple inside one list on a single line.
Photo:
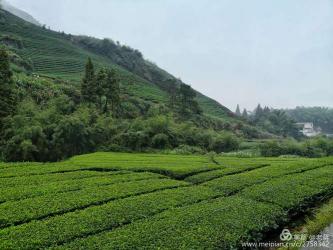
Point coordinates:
[(138, 140), (316, 147), (160, 141), (188, 150), (225, 143)]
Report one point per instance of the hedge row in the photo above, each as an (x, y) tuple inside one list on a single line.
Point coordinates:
[(22, 211), (214, 174), (232, 183), (28, 191), (223, 224), (49, 178), (294, 192), (175, 166), (64, 228), (67, 227), (38, 169)]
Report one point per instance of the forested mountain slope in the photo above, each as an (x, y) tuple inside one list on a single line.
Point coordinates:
[(58, 55), (76, 94), (17, 12)]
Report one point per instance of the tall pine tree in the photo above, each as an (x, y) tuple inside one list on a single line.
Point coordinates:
[(258, 113), (88, 85), (112, 92), (187, 101), (173, 92), (7, 87), (245, 114), (238, 112), (101, 86)]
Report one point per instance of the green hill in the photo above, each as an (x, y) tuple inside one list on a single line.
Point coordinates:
[(53, 121), (63, 56), (17, 12)]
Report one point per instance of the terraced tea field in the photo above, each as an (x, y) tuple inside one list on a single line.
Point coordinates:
[(151, 201), (54, 55)]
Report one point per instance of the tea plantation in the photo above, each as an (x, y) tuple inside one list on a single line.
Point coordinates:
[(152, 201), (56, 55)]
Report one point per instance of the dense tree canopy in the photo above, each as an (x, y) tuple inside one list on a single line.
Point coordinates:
[(54, 121), (238, 112), (101, 89), (7, 87), (274, 121), (89, 85), (320, 116)]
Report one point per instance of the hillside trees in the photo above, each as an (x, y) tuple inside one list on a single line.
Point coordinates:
[(26, 137), (258, 113), (321, 117), (173, 93), (53, 122), (88, 85), (49, 133), (188, 104), (245, 114), (7, 88), (112, 92), (101, 89), (311, 147), (238, 112), (75, 134), (274, 121), (182, 99)]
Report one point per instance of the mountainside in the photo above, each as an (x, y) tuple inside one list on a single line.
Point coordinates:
[(20, 13), (60, 55), (63, 104)]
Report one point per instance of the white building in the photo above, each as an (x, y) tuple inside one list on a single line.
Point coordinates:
[(308, 129)]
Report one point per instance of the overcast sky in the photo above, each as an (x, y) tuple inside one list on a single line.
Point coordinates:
[(274, 52)]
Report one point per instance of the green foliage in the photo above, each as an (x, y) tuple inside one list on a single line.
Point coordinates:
[(238, 112), (12, 41), (101, 89), (227, 170), (175, 166), (160, 141), (59, 55), (305, 187), (58, 128), (40, 180), (188, 150), (187, 104), (245, 115), (316, 147), (73, 184), (199, 226), (320, 116), (52, 122), (7, 88), (73, 134), (274, 121), (53, 203), (36, 134), (225, 143), (229, 184), (78, 223), (117, 200), (25, 138), (112, 92), (89, 85)]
